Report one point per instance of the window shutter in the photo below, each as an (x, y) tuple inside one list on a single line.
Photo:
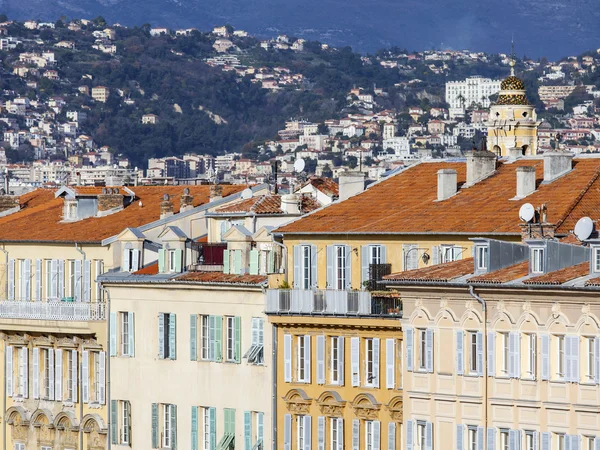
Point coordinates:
[(87, 280), (480, 355), (195, 428), (392, 436), (460, 352), (575, 363), (27, 279), (253, 267), (348, 253), (226, 263), (480, 438), (126, 261), (436, 254), (390, 364), (512, 440), (238, 339), (61, 279), (114, 422), (287, 358), (409, 338), (85, 376), (102, 376), (113, 334), (428, 436), (212, 416), (131, 316), (54, 277), (9, 370), (355, 434), (355, 360), (193, 337), (377, 435), (162, 256), (36, 372), (320, 359), (307, 358), (491, 439), (51, 374), (545, 362), (567, 442), (535, 440), (178, 260), (297, 266), (237, 262), (459, 437), (321, 433), (25, 363), (597, 360), (517, 355), (365, 257), (546, 440), (172, 337), (260, 427), (247, 430), (174, 427), (154, 425), (218, 338), (376, 372), (383, 254), (161, 336), (39, 278), (287, 432), (77, 293), (429, 349), (58, 395), (135, 260), (74, 383), (597, 443), (575, 441), (491, 349), (409, 434), (341, 360), (313, 266), (512, 345), (330, 267), (11, 279)]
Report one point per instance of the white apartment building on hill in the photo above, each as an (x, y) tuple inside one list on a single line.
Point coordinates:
[(474, 90)]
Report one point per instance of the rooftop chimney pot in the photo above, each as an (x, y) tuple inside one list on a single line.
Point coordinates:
[(525, 181), (447, 184), (480, 165), (557, 164), (351, 183)]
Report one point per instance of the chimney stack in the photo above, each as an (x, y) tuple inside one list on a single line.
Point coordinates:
[(515, 153), (480, 165), (110, 200), (290, 203), (351, 183), (186, 201), (166, 207), (557, 164), (525, 181), (216, 192), (447, 184)]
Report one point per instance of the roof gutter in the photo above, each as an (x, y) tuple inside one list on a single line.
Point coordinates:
[(408, 233)]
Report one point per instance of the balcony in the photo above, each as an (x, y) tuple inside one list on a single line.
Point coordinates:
[(52, 310), (331, 302)]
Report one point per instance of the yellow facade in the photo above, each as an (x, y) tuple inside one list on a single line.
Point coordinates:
[(368, 402)]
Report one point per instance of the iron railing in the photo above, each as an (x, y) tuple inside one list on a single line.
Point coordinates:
[(52, 310)]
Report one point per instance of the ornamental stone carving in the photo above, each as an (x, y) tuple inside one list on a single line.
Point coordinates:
[(527, 306), (297, 401), (331, 404), (395, 408), (366, 407)]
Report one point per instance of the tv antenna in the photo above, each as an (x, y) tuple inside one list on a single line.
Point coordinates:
[(584, 228)]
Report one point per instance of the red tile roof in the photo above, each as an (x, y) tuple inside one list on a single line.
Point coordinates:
[(406, 202), (326, 185), (439, 272), (504, 275), (220, 277), (151, 269), (41, 214), (561, 276), (266, 204)]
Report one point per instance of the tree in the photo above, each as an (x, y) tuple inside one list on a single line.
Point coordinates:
[(99, 21), (352, 162), (322, 129)]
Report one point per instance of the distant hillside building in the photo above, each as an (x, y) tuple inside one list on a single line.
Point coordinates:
[(100, 93), (474, 90), (151, 119)]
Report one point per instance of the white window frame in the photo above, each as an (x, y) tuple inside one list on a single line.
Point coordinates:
[(167, 437), (206, 429), (370, 375), (505, 351), (449, 253), (471, 437), (70, 380), (561, 361), (333, 433), (205, 337), (340, 267), (125, 330), (504, 439), (305, 266), (171, 258), (529, 440), (130, 268), (46, 373), (560, 441), (302, 375), (336, 366), (596, 259), (421, 435), (21, 373), (590, 362), (422, 353), (375, 254), (369, 435), (537, 260), (72, 280), (97, 386), (300, 429), (531, 343), (48, 278), (482, 252), (472, 352), (125, 411), (230, 338)]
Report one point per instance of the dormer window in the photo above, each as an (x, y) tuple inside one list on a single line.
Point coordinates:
[(70, 209), (537, 260), (482, 257), (171, 258), (596, 259), (131, 259)]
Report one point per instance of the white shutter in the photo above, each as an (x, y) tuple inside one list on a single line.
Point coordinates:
[(307, 358), (376, 372), (161, 336), (58, 375), (355, 434), (409, 338), (480, 438), (512, 359), (392, 436), (348, 258), (25, 372), (460, 352), (313, 267), (491, 439), (535, 440), (61, 278), (51, 373), (355, 360), (376, 435), (429, 349), (436, 254), (567, 438), (428, 436), (135, 260), (9, 370), (575, 360), (320, 359), (365, 259), (297, 284), (77, 293), (27, 279), (390, 364), (340, 434), (102, 376), (85, 376), (546, 441), (330, 267), (491, 349), (74, 383), (54, 279), (39, 279), (459, 437), (410, 429), (11, 279), (597, 360), (36, 372), (287, 358), (321, 432), (131, 337), (287, 432), (545, 360), (87, 280), (597, 443), (307, 432), (479, 345), (341, 360), (126, 262)]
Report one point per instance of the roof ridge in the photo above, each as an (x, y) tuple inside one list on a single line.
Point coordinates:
[(575, 202), (259, 202)]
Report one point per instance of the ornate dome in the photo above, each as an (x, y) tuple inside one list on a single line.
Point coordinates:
[(516, 99), (512, 83)]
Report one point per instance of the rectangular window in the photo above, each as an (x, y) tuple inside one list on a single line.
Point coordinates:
[(369, 435), (450, 253), (504, 345), (168, 351), (334, 433), (97, 381), (560, 356), (473, 352), (537, 261), (421, 434), (70, 380), (230, 338), (370, 374), (125, 330), (336, 360), (482, 253), (596, 259), (530, 343), (302, 361), (71, 265), (205, 337), (171, 257), (49, 279), (125, 422), (472, 438), (255, 354), (301, 432), (529, 440), (560, 441), (504, 441), (589, 443), (589, 358), (305, 262), (375, 254), (46, 373), (167, 437), (205, 429), (22, 370), (340, 267), (422, 335)]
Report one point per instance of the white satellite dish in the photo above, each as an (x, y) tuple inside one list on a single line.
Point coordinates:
[(299, 165), (527, 212), (584, 228), (246, 194)]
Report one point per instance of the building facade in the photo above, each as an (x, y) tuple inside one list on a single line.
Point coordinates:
[(474, 91)]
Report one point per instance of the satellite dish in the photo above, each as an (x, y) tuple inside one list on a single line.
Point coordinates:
[(247, 193), (527, 212), (299, 165), (584, 228)]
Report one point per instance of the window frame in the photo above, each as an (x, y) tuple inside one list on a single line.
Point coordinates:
[(230, 339), (537, 260), (473, 352), (531, 342), (301, 359), (370, 362), (482, 254), (369, 435), (596, 259), (305, 266), (471, 437), (125, 411), (205, 346), (206, 428), (336, 366), (167, 437), (504, 439), (171, 259), (421, 434), (340, 262), (560, 371), (505, 347), (529, 440), (124, 335), (590, 362), (422, 353), (300, 429)]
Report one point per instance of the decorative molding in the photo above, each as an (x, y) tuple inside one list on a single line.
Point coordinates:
[(396, 409), (556, 308), (297, 401), (366, 407), (527, 306), (586, 309), (418, 303), (444, 303), (469, 305)]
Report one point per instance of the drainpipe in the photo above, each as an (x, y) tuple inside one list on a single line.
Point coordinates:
[(108, 374), (4, 398), (274, 393), (80, 398), (285, 272), (80, 250), (485, 360), (5, 265)]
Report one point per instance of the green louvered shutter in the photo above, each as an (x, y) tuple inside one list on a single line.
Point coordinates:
[(254, 254), (172, 337), (174, 427), (212, 415), (194, 428), (226, 261), (247, 430), (161, 260), (114, 422), (260, 428), (218, 338), (238, 339), (154, 425), (237, 262), (178, 260), (193, 337)]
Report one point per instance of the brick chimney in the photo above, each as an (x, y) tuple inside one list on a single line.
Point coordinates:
[(216, 192), (110, 199), (166, 207), (186, 201)]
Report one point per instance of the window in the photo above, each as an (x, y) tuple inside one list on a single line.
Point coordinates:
[(230, 340), (537, 260), (530, 440), (166, 336), (473, 352), (504, 343), (22, 355), (305, 267), (482, 254), (560, 356), (46, 368), (560, 441), (49, 279), (204, 337), (588, 443), (375, 254), (72, 279), (340, 267), (167, 436), (337, 356), (422, 335), (211, 329), (255, 354), (530, 343), (131, 259), (171, 258), (472, 438), (336, 432), (450, 253), (125, 330), (421, 435), (301, 428), (303, 361), (596, 259), (96, 358), (369, 435), (71, 381), (370, 363), (590, 356), (125, 422), (206, 430), (504, 441)]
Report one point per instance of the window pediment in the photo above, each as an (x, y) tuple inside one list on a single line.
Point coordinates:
[(297, 401)]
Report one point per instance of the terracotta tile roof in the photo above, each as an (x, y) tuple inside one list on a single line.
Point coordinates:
[(151, 269), (266, 204), (41, 214), (406, 202), (326, 185), (593, 282), (571, 239), (561, 276), (439, 272), (220, 277), (504, 275)]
